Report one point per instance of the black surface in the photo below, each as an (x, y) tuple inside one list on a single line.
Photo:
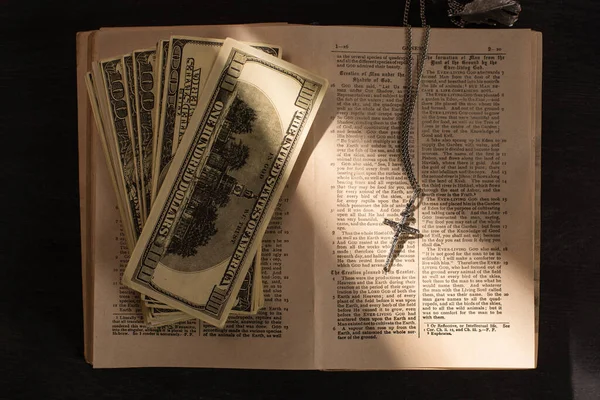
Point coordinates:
[(40, 294)]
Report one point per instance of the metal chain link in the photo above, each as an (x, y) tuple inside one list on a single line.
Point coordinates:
[(410, 97), (412, 90)]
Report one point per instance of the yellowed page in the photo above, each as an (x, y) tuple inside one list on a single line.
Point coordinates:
[(280, 336), (462, 296)]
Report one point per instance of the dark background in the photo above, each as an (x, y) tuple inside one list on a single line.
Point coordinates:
[(41, 334)]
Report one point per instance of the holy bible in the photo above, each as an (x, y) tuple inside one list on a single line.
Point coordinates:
[(462, 295)]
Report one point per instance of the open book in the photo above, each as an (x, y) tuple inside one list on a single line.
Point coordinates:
[(464, 295)]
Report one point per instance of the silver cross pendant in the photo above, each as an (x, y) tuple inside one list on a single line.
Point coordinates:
[(402, 232)]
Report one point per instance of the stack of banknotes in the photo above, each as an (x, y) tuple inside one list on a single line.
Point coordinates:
[(200, 136)]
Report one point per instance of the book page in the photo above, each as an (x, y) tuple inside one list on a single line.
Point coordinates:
[(280, 336), (424, 314), (462, 295)]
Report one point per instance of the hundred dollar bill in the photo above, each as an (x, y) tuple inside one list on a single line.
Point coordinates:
[(224, 183), (94, 102), (162, 57), (189, 63), (144, 62), (112, 96), (132, 120), (196, 45), (248, 299)]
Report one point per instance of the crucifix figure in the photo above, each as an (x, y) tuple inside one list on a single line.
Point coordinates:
[(401, 231)]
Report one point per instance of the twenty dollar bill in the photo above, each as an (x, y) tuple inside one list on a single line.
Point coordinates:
[(224, 182)]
